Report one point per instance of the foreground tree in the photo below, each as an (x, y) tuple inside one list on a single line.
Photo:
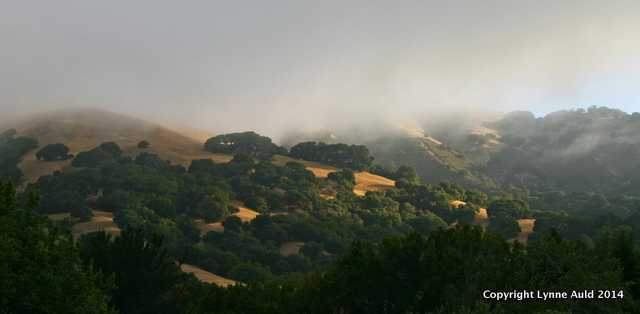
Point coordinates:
[(447, 272), (40, 271), (11, 151), (145, 276)]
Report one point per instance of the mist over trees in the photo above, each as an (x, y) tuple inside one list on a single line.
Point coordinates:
[(248, 143), (356, 157)]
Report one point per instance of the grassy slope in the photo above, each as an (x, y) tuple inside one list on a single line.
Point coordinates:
[(206, 276), (86, 129)]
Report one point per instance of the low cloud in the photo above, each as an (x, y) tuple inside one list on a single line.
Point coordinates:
[(288, 65)]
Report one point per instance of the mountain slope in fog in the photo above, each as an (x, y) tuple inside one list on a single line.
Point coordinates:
[(85, 129), (577, 150)]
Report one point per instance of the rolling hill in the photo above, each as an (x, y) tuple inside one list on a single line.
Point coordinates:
[(82, 130), (85, 129), (433, 157)]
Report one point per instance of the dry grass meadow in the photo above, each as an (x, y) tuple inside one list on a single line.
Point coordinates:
[(84, 130), (290, 248), (101, 221), (206, 276)]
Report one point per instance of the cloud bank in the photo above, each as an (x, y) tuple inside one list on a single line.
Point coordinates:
[(272, 66)]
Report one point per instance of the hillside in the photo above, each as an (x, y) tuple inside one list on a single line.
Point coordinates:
[(365, 181), (82, 130), (394, 145), (257, 217), (595, 150), (85, 129)]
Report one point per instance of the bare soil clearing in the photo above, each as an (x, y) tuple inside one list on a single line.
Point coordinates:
[(290, 248), (457, 203), (59, 217), (245, 214), (526, 228), (206, 276), (318, 169), (83, 130), (101, 221), (209, 227), (365, 181)]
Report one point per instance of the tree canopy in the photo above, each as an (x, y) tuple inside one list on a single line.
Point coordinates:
[(11, 151), (248, 143), (53, 152), (40, 269), (355, 157), (107, 151)]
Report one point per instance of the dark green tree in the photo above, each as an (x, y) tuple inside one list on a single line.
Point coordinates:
[(144, 144), (40, 270), (53, 152), (144, 274), (505, 226), (516, 209), (111, 148), (249, 143), (355, 157)]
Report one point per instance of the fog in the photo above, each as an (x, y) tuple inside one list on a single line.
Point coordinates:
[(273, 66)]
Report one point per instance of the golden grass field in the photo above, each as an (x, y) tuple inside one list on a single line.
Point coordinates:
[(101, 221), (457, 203), (526, 228), (59, 217), (206, 276), (526, 225), (86, 129), (365, 181), (209, 227), (318, 169), (481, 214), (245, 214), (290, 248)]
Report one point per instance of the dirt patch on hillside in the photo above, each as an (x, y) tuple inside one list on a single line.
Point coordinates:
[(457, 203), (481, 218), (206, 276), (59, 217), (318, 169), (526, 228), (208, 227), (290, 248), (101, 221), (83, 130), (245, 214), (366, 181)]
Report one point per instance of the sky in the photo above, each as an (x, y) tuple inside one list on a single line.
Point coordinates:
[(267, 65)]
